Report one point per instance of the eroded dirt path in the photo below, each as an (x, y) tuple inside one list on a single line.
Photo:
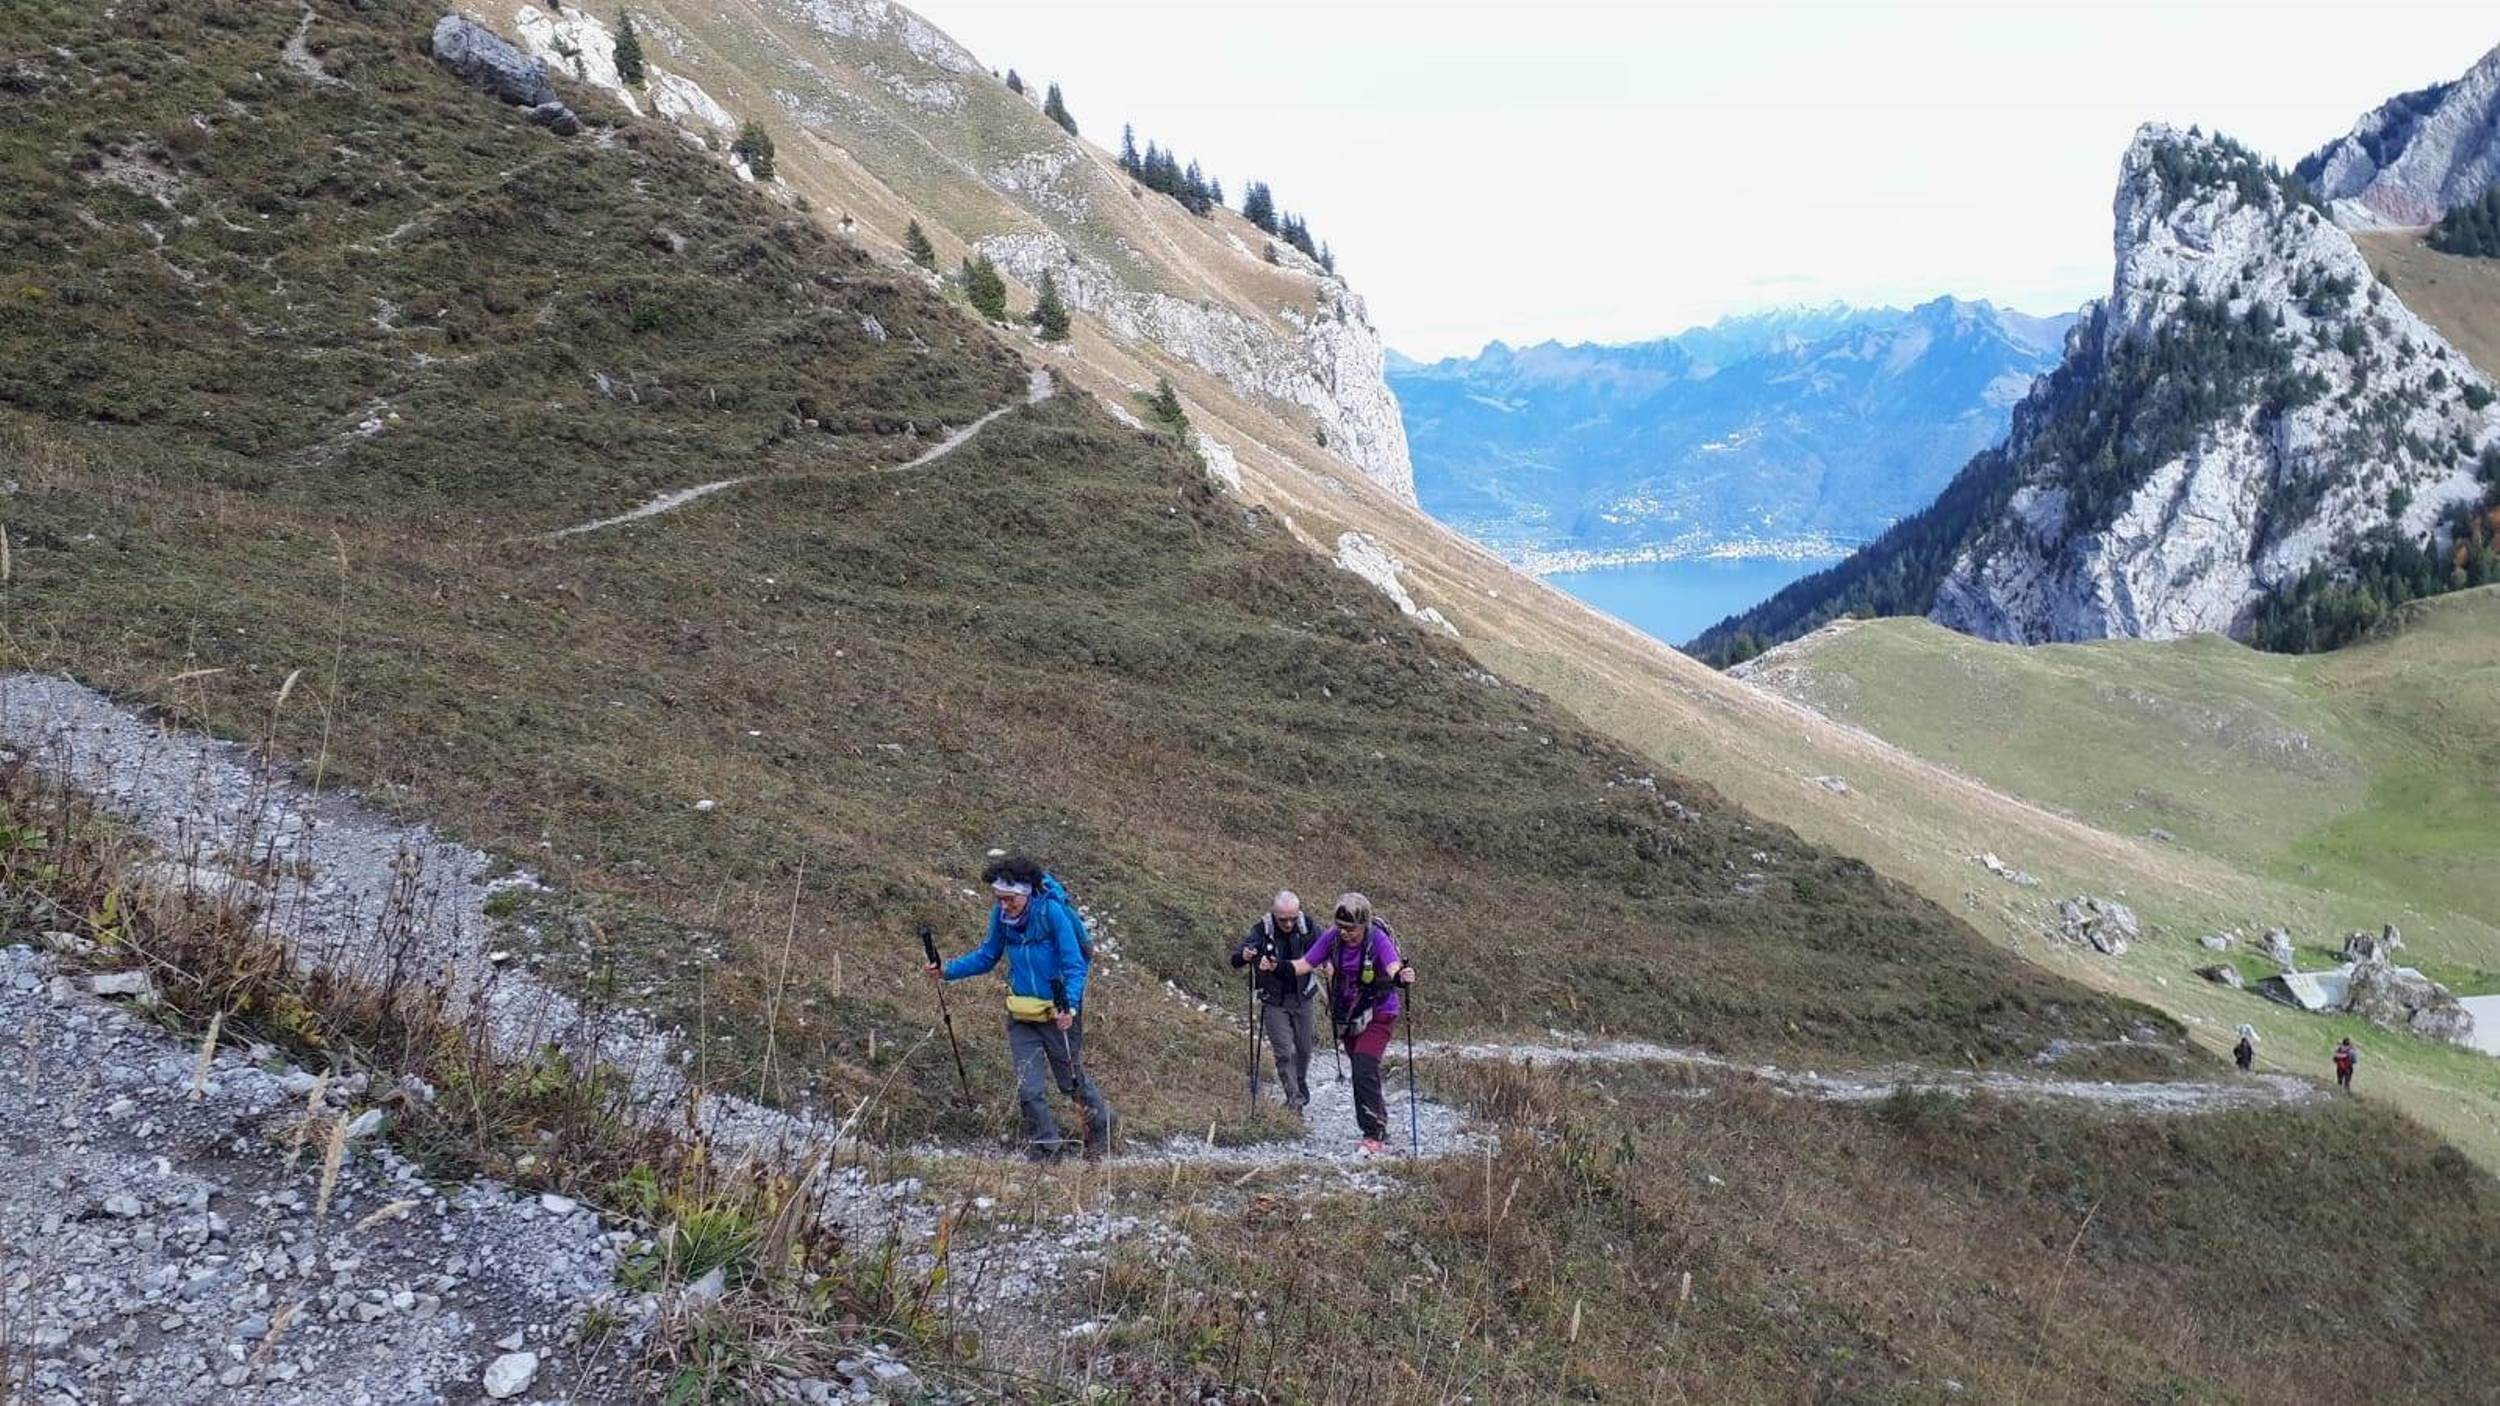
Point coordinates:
[(2148, 1098), (1037, 390)]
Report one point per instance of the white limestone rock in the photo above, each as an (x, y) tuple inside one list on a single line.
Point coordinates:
[(1358, 553), (1222, 464), (880, 22), (682, 100), (1331, 363), (2416, 156), (2389, 437), (576, 43)]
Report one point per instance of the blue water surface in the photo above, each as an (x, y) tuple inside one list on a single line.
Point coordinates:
[(1673, 601)]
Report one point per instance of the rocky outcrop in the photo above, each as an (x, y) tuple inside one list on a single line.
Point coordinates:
[(575, 42), (2277, 947), (1358, 553), (2105, 925), (2381, 946), (1326, 358), (2400, 998), (485, 60), (2246, 405), (2415, 157)]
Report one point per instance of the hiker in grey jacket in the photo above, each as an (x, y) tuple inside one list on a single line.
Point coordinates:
[(1285, 1000)]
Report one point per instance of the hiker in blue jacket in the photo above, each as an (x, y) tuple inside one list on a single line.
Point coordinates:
[(1035, 926)]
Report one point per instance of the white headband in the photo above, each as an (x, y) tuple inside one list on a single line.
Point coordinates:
[(1003, 887)]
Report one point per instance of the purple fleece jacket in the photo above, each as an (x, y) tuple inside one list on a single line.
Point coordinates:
[(1348, 964)]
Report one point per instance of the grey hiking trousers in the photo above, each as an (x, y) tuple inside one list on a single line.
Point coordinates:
[(1044, 1054), (1291, 1033)]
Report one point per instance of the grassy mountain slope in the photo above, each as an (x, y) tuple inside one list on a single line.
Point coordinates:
[(1910, 815), (2355, 785), (882, 120), (1907, 816), (1063, 635), (2458, 295), (2362, 771)]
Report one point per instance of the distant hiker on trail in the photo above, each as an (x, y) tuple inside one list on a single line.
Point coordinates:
[(1036, 927), (1284, 997), (2346, 1056), (1362, 1000), (2244, 1054)]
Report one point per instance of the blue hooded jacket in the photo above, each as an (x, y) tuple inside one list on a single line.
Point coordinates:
[(1043, 946)]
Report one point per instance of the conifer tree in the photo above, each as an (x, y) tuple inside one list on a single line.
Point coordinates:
[(755, 147), (984, 289), (628, 51), (1259, 207), (1128, 149), (1055, 108), (1164, 407), (916, 244), (1015, 84), (1049, 313), (1215, 191)]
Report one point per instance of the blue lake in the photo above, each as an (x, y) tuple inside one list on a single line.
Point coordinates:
[(1676, 600)]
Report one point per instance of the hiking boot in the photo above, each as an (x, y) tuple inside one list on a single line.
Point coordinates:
[(1374, 1147), (1047, 1152)]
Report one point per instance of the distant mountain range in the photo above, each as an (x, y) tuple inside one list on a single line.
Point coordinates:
[(1793, 433)]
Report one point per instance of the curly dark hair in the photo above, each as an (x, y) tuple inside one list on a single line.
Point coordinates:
[(1018, 868)]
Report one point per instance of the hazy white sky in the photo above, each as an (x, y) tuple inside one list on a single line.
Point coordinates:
[(1613, 171)]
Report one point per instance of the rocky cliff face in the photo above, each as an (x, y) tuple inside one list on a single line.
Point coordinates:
[(1327, 360), (2246, 405), (2408, 161)]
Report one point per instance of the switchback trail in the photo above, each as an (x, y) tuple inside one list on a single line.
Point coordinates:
[(1037, 390)]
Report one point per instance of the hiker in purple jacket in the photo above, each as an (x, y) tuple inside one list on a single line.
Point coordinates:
[(1365, 973)]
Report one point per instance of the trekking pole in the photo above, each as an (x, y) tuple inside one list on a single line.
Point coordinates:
[(1076, 1061), (1336, 1035), (1253, 985), (928, 945), (1414, 1121)]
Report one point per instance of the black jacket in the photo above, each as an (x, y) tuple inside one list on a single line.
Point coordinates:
[(1281, 986)]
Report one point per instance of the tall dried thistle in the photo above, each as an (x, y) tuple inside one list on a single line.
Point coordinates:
[(208, 1056), (331, 1158), (303, 1125)]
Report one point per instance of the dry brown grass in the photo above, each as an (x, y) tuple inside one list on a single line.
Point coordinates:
[(2458, 296), (1635, 1238)]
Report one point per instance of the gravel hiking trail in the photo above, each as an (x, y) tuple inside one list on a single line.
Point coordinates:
[(1037, 390), (2148, 1098), (365, 891)]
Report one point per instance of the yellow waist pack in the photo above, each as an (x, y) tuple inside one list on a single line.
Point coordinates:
[(1033, 1009)]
